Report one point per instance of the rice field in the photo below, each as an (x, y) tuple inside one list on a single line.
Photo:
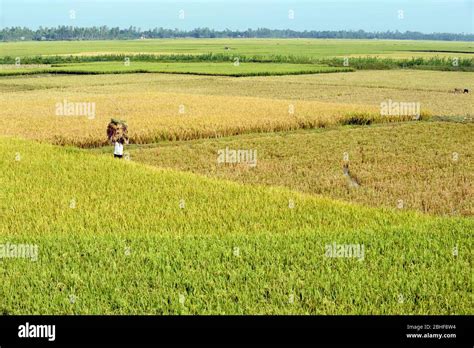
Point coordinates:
[(212, 247), (169, 230), (428, 166), (162, 107), (235, 69), (156, 116), (247, 47)]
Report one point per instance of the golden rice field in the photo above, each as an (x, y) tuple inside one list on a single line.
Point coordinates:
[(429, 166), (155, 116), (159, 107)]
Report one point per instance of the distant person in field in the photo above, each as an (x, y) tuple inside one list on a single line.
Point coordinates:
[(117, 133)]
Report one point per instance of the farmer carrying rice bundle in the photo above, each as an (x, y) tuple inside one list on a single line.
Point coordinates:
[(117, 133)]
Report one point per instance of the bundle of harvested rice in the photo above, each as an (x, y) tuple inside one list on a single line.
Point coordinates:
[(117, 130)]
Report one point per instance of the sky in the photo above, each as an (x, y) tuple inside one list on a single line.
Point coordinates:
[(427, 16)]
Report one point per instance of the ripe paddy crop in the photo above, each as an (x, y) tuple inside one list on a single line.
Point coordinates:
[(427, 166), (163, 107), (154, 116)]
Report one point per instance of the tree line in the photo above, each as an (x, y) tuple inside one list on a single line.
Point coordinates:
[(132, 33)]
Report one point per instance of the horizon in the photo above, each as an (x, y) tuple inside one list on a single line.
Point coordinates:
[(255, 29), (424, 16)]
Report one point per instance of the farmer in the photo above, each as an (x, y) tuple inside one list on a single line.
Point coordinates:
[(117, 133)]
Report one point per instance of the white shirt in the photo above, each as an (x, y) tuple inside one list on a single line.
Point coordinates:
[(118, 150)]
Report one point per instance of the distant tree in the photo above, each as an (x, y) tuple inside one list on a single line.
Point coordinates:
[(132, 33)]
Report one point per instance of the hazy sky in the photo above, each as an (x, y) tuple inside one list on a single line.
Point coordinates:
[(455, 16)]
